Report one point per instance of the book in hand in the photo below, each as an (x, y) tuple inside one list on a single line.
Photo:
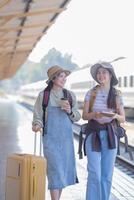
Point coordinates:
[(107, 114)]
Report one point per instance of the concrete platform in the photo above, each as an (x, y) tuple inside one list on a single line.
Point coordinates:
[(16, 136)]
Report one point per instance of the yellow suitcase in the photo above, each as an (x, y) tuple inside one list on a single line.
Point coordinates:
[(26, 176)]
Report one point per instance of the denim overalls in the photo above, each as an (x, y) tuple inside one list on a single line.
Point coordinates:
[(58, 148)]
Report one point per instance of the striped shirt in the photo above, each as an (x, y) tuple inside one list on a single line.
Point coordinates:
[(100, 104)]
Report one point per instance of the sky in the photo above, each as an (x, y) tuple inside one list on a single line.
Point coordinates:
[(91, 30)]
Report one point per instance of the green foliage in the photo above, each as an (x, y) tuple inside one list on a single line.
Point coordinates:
[(54, 57)]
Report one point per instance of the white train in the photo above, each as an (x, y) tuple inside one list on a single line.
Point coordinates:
[(80, 81)]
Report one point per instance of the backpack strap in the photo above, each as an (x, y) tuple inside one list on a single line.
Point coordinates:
[(68, 95), (119, 136), (93, 96), (80, 144), (82, 132), (45, 98), (46, 95), (125, 142)]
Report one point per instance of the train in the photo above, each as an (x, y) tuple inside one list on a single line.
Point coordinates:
[(80, 81)]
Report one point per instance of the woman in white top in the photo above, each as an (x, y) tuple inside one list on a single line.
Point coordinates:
[(101, 142)]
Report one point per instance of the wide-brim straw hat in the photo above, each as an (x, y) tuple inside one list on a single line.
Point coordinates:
[(107, 65), (54, 71)]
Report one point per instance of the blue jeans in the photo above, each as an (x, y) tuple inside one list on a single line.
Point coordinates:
[(100, 169)]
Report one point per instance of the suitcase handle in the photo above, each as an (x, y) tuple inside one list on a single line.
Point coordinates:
[(35, 143)]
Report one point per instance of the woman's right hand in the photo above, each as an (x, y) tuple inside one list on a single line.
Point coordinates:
[(36, 128)]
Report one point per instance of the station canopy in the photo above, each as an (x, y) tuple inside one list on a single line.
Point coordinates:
[(22, 24)]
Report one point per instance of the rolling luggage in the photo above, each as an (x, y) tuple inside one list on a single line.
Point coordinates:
[(26, 176)]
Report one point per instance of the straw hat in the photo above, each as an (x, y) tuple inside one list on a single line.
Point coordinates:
[(54, 70), (106, 65)]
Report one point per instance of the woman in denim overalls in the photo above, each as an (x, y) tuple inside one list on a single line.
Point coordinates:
[(101, 148), (58, 135)]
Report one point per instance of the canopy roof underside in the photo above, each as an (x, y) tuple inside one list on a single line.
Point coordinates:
[(22, 24)]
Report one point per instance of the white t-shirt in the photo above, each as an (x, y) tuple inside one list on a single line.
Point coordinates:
[(100, 104)]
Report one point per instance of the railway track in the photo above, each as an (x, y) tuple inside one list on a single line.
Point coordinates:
[(125, 165)]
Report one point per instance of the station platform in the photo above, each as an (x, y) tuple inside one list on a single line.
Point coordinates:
[(16, 136)]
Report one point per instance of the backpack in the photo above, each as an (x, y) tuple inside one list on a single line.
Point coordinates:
[(45, 101), (121, 132)]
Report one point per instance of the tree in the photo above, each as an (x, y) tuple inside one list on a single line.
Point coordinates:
[(54, 57)]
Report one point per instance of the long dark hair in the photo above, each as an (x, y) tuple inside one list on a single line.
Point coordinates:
[(111, 100)]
